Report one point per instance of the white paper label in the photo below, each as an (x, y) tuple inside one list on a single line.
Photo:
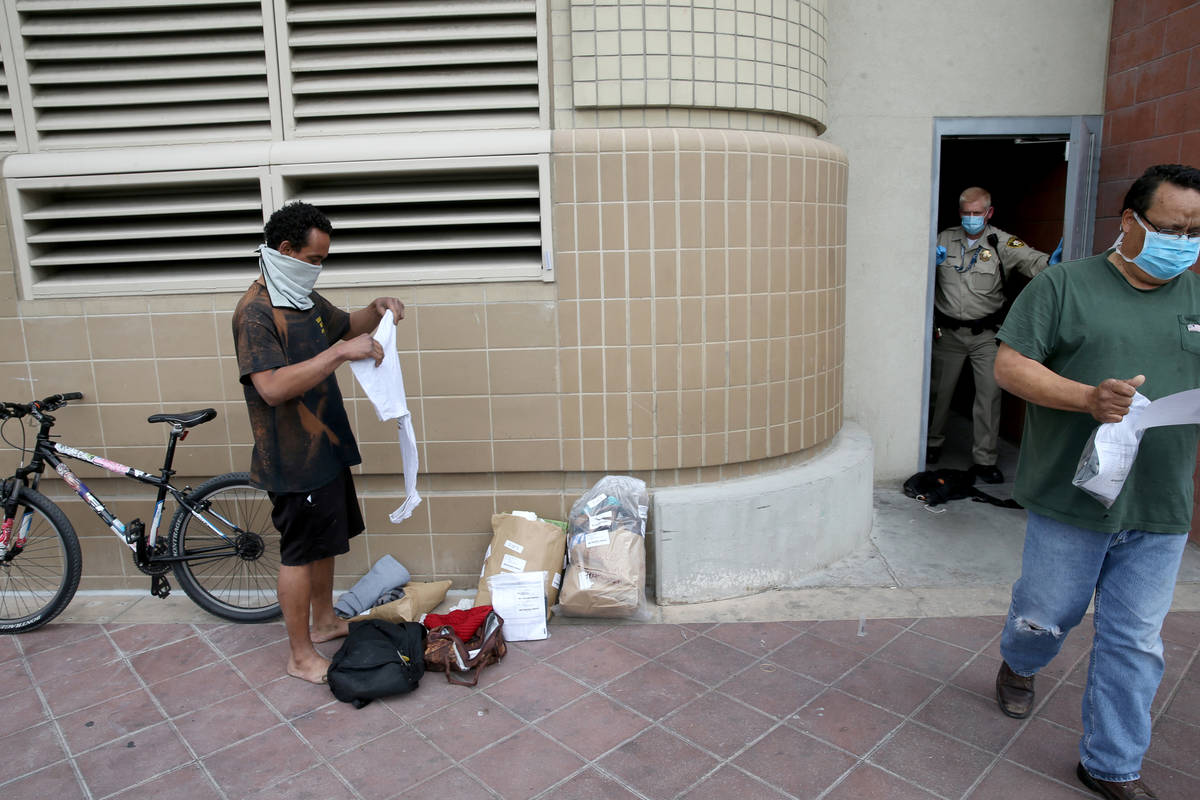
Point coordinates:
[(642, 511), (585, 581), (511, 545), (596, 539), (511, 563), (596, 500), (556, 581)]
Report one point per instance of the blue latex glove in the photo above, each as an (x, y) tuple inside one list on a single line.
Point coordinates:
[(941, 254), (1056, 256)]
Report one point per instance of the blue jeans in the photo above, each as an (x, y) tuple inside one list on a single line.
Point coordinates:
[(1133, 576)]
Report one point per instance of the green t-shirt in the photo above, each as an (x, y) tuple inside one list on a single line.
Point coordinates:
[(1084, 321)]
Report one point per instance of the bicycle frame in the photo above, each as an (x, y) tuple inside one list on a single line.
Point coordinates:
[(47, 452)]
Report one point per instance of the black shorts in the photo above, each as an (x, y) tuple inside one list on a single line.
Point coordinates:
[(319, 524)]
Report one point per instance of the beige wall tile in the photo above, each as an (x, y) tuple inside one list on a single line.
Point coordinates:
[(55, 377), (521, 325), (666, 278), (591, 366), (125, 425), (13, 336), (458, 457), (691, 359), (414, 551), (591, 277), (461, 513), (460, 554), (587, 227), (641, 369), (591, 323), (191, 380), (666, 368), (525, 417), (185, 334), (377, 507), (192, 460), (451, 327), (56, 338), (529, 371), (546, 505), (592, 413), (665, 216), (527, 454), (454, 372), (616, 367), (452, 419)]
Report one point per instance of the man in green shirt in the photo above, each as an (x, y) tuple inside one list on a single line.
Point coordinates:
[(1078, 343)]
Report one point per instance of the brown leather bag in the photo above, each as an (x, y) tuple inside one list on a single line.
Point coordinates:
[(446, 652)]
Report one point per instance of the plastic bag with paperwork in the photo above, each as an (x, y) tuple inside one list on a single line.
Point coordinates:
[(384, 386), (1110, 451)]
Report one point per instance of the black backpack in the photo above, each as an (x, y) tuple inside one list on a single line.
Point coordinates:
[(378, 659), (939, 485)]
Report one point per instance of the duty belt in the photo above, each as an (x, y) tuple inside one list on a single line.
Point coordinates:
[(992, 321)]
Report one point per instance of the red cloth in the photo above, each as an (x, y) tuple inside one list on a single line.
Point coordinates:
[(464, 623)]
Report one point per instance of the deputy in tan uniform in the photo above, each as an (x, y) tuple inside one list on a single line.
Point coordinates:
[(974, 260)]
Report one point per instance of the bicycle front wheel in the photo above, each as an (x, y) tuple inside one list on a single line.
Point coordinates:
[(231, 569), (38, 580)]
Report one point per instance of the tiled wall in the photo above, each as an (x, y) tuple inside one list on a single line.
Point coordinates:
[(694, 333), (743, 64)]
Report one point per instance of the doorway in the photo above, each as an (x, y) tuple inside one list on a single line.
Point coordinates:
[(1041, 173)]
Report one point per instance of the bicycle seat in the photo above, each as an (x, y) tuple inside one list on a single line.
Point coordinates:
[(187, 418)]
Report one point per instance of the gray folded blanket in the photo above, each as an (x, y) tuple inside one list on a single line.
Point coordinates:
[(383, 583)]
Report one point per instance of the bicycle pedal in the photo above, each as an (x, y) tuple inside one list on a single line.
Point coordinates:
[(160, 587)]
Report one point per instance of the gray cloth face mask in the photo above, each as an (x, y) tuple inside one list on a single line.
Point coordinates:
[(289, 280)]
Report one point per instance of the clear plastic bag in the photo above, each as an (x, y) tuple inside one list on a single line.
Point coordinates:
[(606, 551)]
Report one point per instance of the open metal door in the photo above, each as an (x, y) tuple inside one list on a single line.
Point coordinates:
[(1079, 212), (1083, 170)]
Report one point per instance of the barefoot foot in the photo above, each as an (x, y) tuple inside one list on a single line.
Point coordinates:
[(326, 633), (313, 670)]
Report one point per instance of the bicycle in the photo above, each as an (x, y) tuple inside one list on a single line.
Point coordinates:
[(220, 543)]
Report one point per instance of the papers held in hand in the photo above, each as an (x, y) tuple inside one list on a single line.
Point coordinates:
[(1110, 451)]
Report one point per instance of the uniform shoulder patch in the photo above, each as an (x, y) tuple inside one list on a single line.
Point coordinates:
[(1015, 242)]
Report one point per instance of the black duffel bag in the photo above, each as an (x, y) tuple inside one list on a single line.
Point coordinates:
[(378, 659)]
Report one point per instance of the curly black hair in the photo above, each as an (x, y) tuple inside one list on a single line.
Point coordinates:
[(1141, 194), (293, 222)]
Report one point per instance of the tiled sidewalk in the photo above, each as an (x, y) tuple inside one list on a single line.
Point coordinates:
[(895, 709)]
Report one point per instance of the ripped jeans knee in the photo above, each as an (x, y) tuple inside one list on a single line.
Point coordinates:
[(1026, 625)]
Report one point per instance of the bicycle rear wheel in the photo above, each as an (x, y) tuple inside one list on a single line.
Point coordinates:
[(234, 574), (38, 582)]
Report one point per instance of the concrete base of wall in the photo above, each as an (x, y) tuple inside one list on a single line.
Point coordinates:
[(721, 540)]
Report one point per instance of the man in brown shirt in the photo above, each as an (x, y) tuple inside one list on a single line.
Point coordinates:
[(289, 340)]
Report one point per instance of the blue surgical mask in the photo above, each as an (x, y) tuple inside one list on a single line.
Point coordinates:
[(1162, 257), (973, 225)]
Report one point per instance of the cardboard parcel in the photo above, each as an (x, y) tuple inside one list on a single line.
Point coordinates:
[(522, 545)]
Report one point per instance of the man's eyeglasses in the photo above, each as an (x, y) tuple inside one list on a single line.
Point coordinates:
[(1167, 232)]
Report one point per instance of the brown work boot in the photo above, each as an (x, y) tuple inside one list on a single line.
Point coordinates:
[(1014, 692), (1114, 790)]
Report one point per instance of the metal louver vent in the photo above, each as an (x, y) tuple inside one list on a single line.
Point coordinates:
[(412, 65), (177, 233), (105, 73), (8, 135), (430, 223)]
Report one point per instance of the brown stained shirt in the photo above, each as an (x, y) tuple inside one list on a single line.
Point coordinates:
[(306, 442)]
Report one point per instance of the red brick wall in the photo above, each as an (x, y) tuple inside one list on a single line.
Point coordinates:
[(1151, 110)]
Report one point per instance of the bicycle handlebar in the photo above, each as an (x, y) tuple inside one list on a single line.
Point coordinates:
[(47, 404)]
